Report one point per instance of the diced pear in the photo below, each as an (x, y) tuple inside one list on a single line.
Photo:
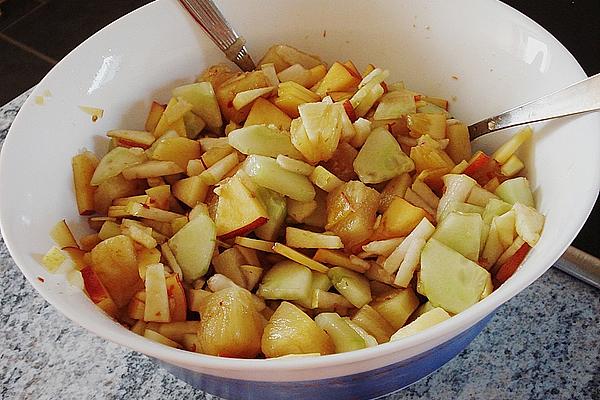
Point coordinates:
[(193, 247), (262, 140), (286, 280), (461, 232), (230, 325), (265, 172), (516, 190), (204, 102), (529, 223), (397, 306), (353, 286), (450, 280), (343, 336), (381, 158), (115, 161), (423, 322)]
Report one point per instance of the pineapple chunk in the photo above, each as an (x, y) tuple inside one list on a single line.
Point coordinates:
[(338, 78), (399, 219), (372, 322), (291, 331), (230, 325), (397, 306), (263, 112), (290, 95)]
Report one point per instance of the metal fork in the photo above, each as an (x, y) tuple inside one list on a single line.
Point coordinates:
[(222, 34)]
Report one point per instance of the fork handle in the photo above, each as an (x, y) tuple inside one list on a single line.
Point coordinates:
[(206, 13), (581, 97), (581, 265)]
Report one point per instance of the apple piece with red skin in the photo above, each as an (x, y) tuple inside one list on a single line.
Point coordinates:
[(231, 218), (483, 168), (349, 110), (177, 299), (97, 292), (507, 269)]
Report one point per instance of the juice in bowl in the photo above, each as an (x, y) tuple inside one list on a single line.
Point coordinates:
[(312, 276)]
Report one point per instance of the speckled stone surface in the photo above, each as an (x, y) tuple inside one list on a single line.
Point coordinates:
[(543, 344)]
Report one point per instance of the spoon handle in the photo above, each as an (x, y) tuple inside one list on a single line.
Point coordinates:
[(581, 97), (222, 34)]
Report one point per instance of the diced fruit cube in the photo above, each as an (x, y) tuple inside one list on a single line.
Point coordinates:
[(227, 91), (84, 165), (397, 306), (262, 140), (516, 190), (395, 105), (115, 161), (399, 219), (114, 261), (287, 280), (180, 150), (301, 238), (449, 280), (343, 336), (427, 320), (433, 125), (203, 100), (338, 78), (353, 286), (371, 321), (459, 145), (291, 331), (98, 292), (283, 56), (504, 152), (157, 300), (381, 158), (263, 112), (528, 223), (461, 232), (340, 163), (351, 212), (265, 172), (193, 246), (276, 207), (230, 325)]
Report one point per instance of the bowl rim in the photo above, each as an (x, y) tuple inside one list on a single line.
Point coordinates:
[(455, 325)]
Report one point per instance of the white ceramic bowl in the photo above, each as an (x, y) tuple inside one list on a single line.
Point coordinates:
[(499, 57)]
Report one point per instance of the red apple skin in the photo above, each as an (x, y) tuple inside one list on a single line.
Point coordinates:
[(510, 266), (130, 143), (245, 229), (177, 299), (97, 292), (483, 168), (349, 110)]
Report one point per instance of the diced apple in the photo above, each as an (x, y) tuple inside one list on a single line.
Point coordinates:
[(246, 97), (263, 112), (459, 147), (114, 261), (157, 300), (228, 263), (84, 165), (204, 102), (423, 322), (504, 152), (297, 73), (291, 331), (381, 158), (216, 172), (265, 172), (282, 56), (113, 163), (193, 247), (175, 330), (508, 268), (458, 188), (230, 325), (62, 235), (152, 169), (299, 257), (98, 292), (290, 95), (150, 213), (512, 166), (293, 165), (301, 238), (227, 91), (190, 191), (395, 105), (341, 259), (528, 223), (231, 219), (450, 280), (256, 244), (137, 138), (154, 115), (397, 306), (157, 337), (372, 322), (172, 117), (53, 259), (180, 150)]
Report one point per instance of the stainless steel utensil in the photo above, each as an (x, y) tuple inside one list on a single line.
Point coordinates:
[(216, 26), (581, 97)]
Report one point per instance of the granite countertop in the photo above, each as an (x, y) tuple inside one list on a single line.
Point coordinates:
[(543, 344)]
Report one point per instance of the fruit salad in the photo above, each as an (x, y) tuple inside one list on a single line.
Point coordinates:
[(297, 209)]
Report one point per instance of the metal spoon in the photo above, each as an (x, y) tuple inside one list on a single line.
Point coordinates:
[(575, 99)]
